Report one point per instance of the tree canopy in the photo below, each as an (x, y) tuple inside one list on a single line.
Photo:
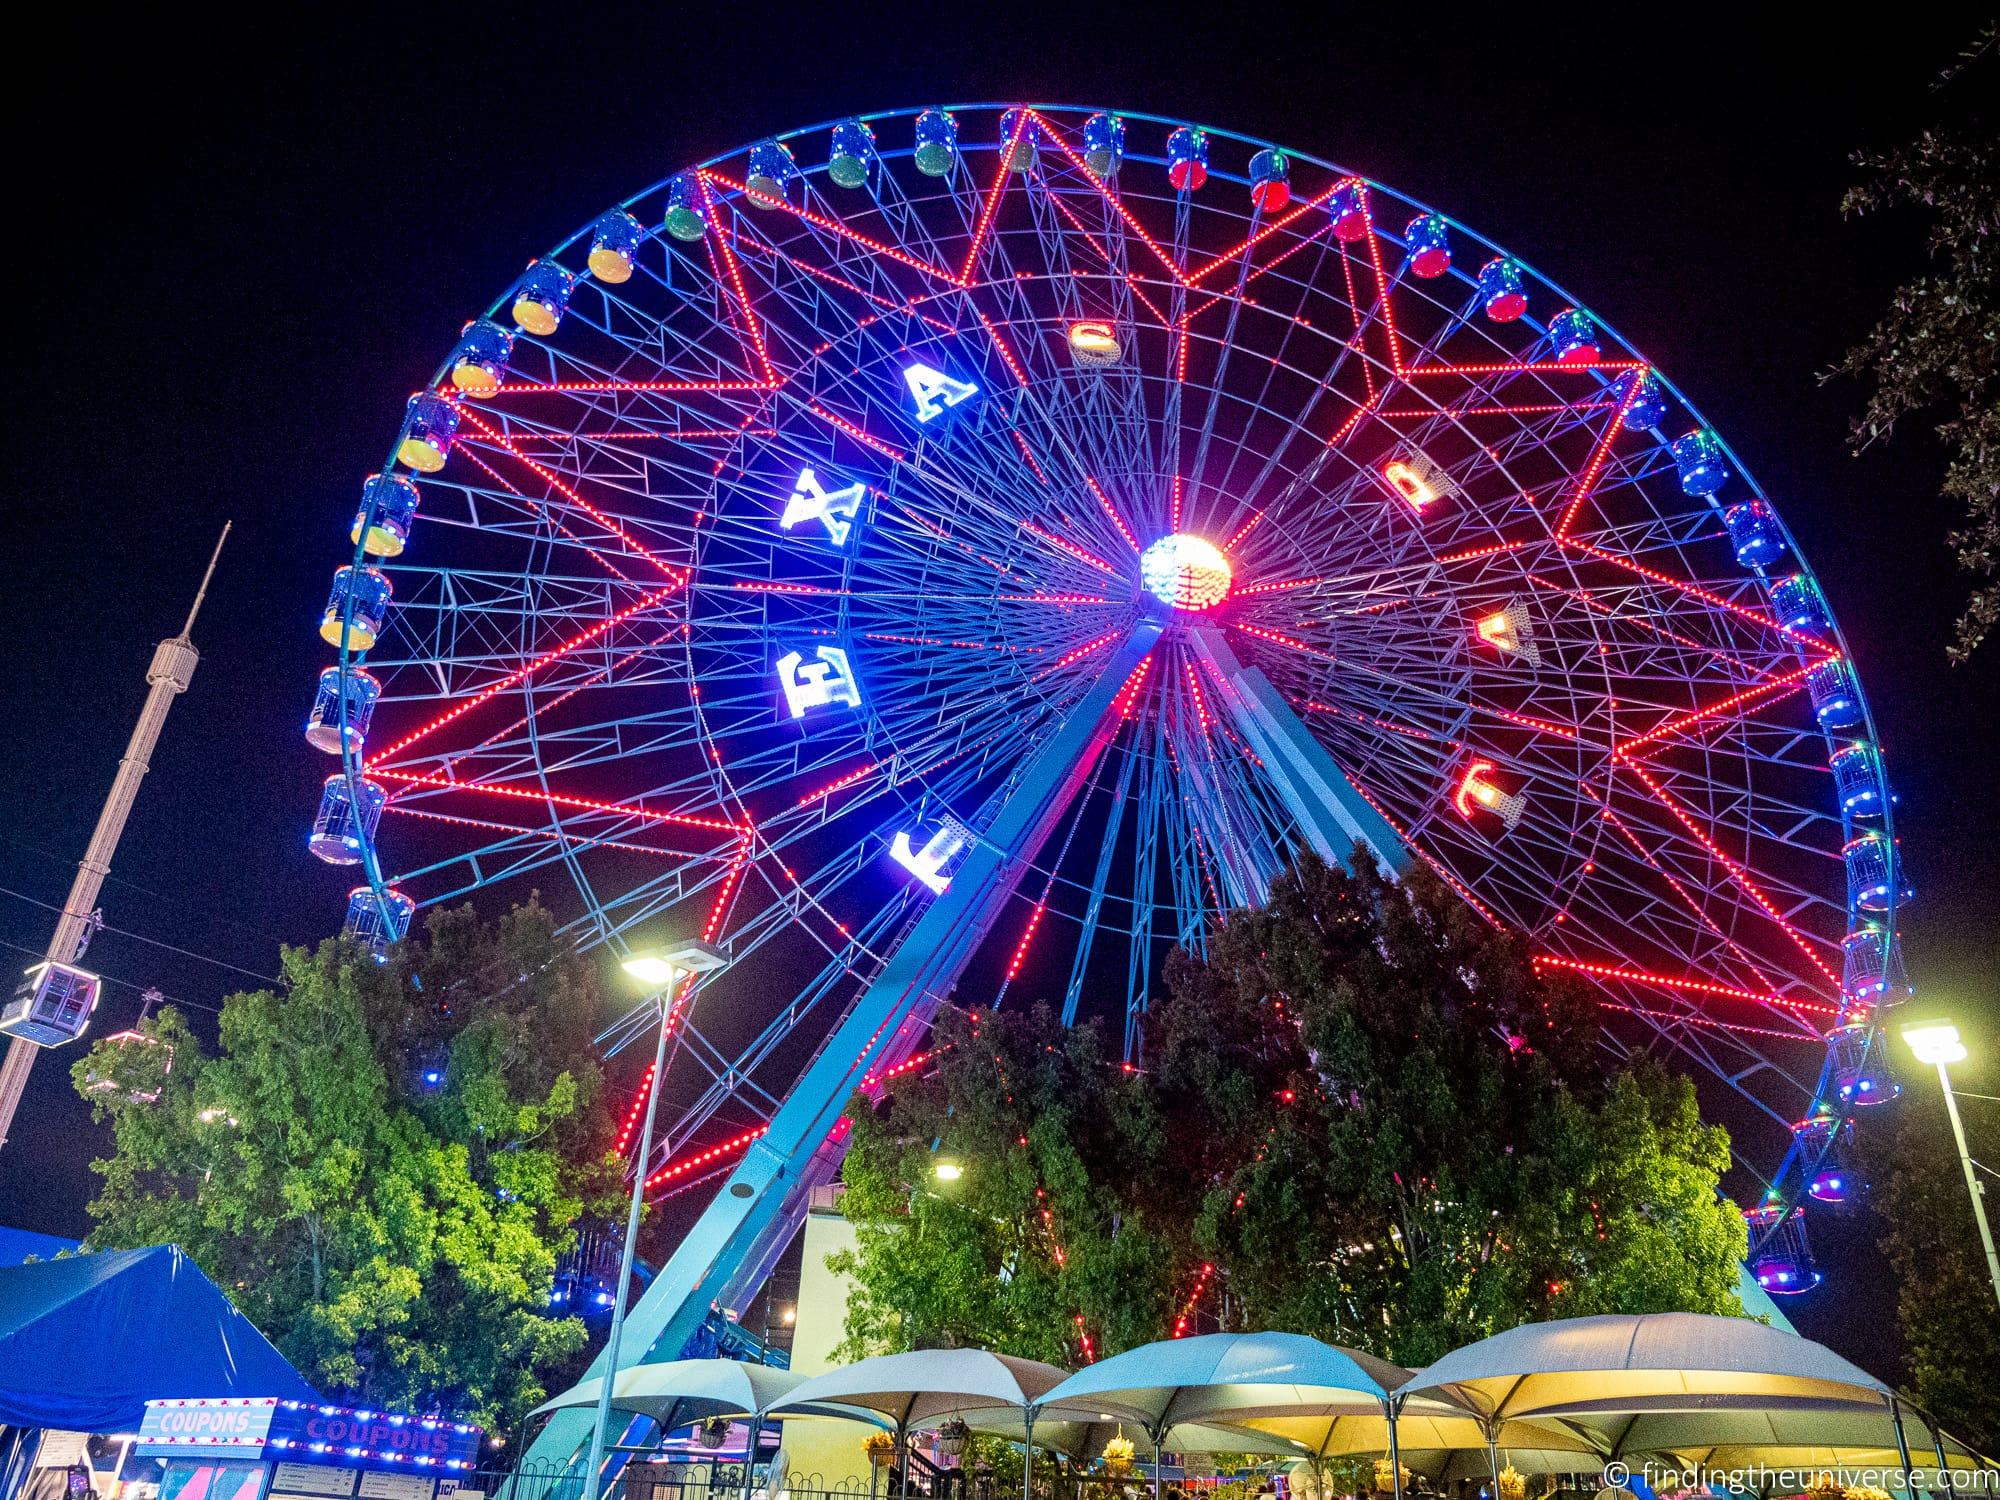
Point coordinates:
[(1944, 1294), (379, 1162), (1937, 348), (1365, 1116)]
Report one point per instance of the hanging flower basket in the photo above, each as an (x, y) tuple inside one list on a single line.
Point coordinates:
[(713, 1433), (1513, 1484), (880, 1448), (1385, 1477), (1823, 1487), (1118, 1456), (952, 1436)]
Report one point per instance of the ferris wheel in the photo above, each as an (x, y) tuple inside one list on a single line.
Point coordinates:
[(966, 551)]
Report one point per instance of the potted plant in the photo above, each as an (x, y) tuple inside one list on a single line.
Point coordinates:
[(1385, 1477), (713, 1433), (952, 1436), (1513, 1484), (880, 1448)]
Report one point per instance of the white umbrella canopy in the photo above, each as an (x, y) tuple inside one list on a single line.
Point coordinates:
[(911, 1390), (677, 1392), (1228, 1377), (1428, 1440), (1603, 1369)]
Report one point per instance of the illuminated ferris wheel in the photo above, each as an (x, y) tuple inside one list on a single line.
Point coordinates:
[(966, 550)]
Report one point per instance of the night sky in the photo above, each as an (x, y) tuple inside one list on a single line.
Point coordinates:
[(245, 249)]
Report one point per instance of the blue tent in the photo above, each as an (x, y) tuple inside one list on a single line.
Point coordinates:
[(86, 1341)]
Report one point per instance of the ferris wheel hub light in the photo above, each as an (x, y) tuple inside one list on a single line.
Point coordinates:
[(1185, 572)]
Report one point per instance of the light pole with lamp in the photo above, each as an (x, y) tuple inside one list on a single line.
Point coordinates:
[(660, 970), (1938, 1043)]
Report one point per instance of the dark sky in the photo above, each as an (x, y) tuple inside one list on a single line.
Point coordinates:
[(246, 247)]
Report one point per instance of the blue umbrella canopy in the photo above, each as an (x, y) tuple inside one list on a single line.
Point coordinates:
[(1227, 1377)]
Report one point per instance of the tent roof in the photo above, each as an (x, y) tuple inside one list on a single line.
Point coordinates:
[(1651, 1362), (86, 1341), (914, 1389), (677, 1392), (1226, 1376)]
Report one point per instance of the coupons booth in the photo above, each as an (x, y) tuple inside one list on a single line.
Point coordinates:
[(267, 1448)]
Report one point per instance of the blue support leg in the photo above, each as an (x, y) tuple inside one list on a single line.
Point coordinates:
[(765, 1198), (1330, 813)]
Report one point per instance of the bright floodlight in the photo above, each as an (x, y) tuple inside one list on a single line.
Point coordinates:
[(1185, 572), (659, 966), (947, 1171), (1935, 1042)]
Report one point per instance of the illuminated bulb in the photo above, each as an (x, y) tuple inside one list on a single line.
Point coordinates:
[(1094, 344), (1412, 486), (1185, 572), (1475, 791), (1507, 631)]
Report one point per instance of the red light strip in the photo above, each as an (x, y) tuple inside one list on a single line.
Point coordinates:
[(1712, 1024), (1111, 510), (832, 226), (1679, 890), (1598, 459), (1306, 206), (1027, 453), (520, 672), (1072, 549), (632, 1115), (1116, 203), (719, 908), (887, 450), (601, 387), (1006, 353), (1532, 367), (1128, 695), (840, 784), (1283, 640), (1736, 872), (1734, 700), (676, 434), (1027, 936), (1359, 343), (582, 804), (813, 589), (1382, 289), (1187, 1307), (711, 1157), (721, 242), (1001, 173), (537, 833), (1418, 413), (1674, 982), (667, 570), (1687, 588), (1076, 653), (544, 512)]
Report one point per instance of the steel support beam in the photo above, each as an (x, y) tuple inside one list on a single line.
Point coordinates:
[(765, 1198), (1330, 813)]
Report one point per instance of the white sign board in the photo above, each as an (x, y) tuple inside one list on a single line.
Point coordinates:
[(397, 1486), (313, 1479)]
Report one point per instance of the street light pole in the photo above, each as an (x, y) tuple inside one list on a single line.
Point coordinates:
[(1972, 1183), (664, 971), (1939, 1045)]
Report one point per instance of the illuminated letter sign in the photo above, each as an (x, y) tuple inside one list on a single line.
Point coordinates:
[(810, 502), (928, 863), (814, 684), (936, 390)]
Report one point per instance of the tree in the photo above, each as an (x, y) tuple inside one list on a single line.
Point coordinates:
[(380, 1162), (1938, 347), (1365, 1115), (1944, 1296)]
